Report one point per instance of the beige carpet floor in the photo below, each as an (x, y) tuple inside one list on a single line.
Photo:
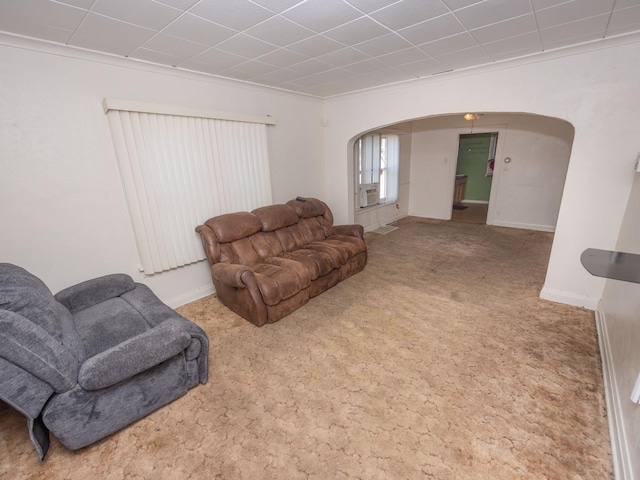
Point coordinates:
[(438, 361)]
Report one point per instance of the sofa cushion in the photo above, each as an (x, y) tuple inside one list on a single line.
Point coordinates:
[(276, 283), (307, 209), (311, 229), (274, 217), (108, 324), (317, 263), (234, 226)]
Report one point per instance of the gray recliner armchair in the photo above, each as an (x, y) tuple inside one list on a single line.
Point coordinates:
[(92, 359)]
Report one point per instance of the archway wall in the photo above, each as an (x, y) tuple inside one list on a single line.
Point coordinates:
[(596, 91), (526, 191)]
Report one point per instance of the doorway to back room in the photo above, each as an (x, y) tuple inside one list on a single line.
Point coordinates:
[(474, 175)]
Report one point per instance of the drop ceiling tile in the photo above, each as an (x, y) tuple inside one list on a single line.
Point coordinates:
[(239, 14), (101, 44), (282, 58), (245, 46), (358, 31), (574, 32), (497, 57), (368, 6), (199, 67), (216, 60), (465, 58), (528, 41), (391, 75), (44, 12), (442, 26), (111, 30), (199, 30), (366, 66), (571, 11), (409, 12), (86, 4), (310, 67), (157, 57), (620, 4), (540, 4), (508, 28), (315, 46), (36, 30), (492, 11), (277, 77), (170, 45), (455, 43), (277, 6), (343, 57), (248, 70), (279, 31), (383, 45), (146, 13), (623, 21), (457, 4), (321, 78), (181, 4), (410, 55), (322, 15), (423, 68)]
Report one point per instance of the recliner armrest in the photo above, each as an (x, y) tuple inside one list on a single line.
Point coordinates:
[(135, 355), (230, 274), (349, 230), (89, 293)]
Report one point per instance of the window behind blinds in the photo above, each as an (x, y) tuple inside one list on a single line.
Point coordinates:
[(180, 169)]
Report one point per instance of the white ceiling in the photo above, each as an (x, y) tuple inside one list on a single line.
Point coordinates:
[(320, 47)]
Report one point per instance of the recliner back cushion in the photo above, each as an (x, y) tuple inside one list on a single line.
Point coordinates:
[(311, 229), (274, 217), (25, 294), (243, 252), (234, 226)]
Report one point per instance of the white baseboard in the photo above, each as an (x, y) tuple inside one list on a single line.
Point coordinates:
[(569, 298), (622, 467), (525, 226), (191, 296)]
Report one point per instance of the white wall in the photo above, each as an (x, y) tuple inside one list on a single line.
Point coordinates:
[(526, 192), (373, 217), (596, 91), (619, 323), (62, 207)]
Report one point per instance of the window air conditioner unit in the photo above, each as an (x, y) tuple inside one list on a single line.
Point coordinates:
[(368, 194)]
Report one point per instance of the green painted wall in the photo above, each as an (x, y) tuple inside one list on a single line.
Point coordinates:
[(472, 160)]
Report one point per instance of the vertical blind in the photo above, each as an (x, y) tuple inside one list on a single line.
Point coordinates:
[(178, 170)]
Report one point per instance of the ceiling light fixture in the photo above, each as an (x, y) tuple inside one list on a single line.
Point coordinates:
[(471, 116)]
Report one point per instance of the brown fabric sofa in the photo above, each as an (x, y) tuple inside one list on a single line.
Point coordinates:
[(271, 261)]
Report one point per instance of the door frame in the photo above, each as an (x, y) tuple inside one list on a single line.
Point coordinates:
[(501, 129)]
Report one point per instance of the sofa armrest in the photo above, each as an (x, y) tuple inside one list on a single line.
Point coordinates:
[(349, 230), (210, 243), (94, 291), (230, 274), (135, 355)]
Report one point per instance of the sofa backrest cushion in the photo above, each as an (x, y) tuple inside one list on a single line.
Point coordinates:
[(234, 226), (25, 294), (274, 217)]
